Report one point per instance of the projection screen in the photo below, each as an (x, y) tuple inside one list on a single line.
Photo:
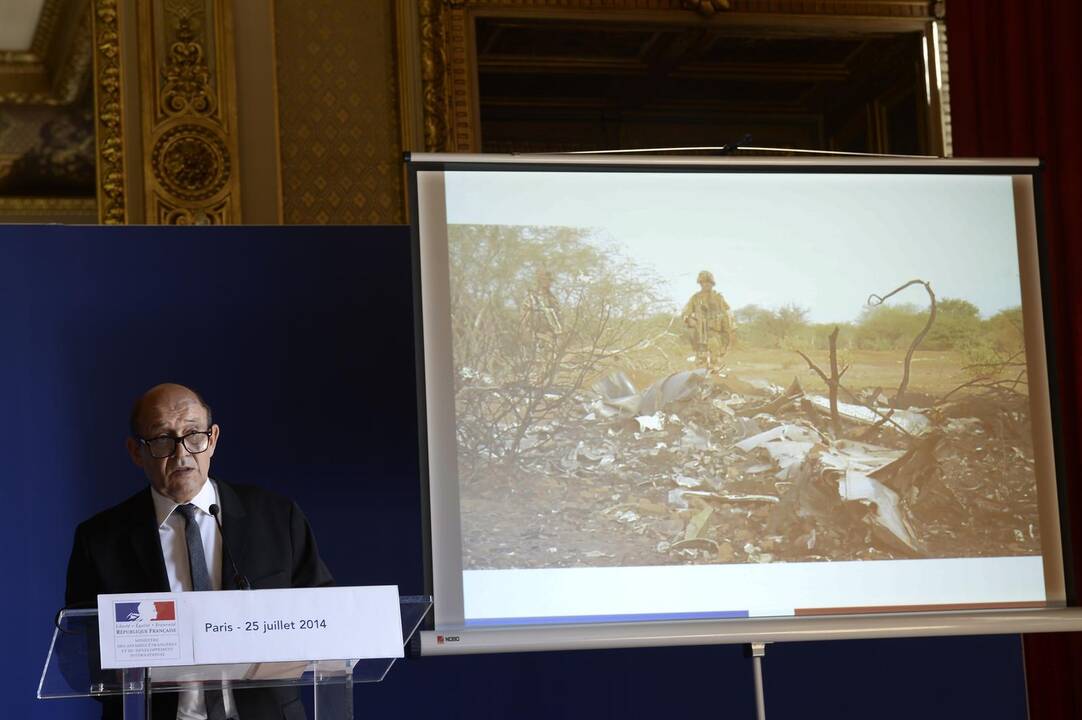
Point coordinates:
[(677, 400)]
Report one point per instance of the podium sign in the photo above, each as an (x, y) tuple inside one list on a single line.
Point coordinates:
[(249, 626)]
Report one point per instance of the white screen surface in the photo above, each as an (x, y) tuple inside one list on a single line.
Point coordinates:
[(595, 457)]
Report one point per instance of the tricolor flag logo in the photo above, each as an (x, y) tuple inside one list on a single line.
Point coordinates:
[(141, 611)]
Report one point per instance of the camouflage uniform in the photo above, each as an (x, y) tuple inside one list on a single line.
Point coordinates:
[(709, 318)]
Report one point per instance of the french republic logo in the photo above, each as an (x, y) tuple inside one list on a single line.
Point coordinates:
[(146, 632), (145, 611)]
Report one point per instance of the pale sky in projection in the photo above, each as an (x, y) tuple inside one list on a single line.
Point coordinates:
[(823, 241)]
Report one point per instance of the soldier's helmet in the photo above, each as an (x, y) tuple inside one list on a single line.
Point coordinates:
[(705, 277)]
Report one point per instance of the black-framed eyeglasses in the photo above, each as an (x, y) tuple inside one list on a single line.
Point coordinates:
[(164, 446)]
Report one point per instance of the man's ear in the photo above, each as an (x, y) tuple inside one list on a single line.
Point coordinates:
[(214, 430), (134, 451)]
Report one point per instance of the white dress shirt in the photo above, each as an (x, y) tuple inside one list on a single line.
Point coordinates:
[(171, 525)]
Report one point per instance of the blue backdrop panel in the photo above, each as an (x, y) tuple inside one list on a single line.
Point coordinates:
[(301, 339)]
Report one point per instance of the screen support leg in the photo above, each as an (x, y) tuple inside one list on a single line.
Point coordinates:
[(756, 651)]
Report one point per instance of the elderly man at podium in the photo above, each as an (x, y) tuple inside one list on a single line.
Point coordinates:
[(187, 532)]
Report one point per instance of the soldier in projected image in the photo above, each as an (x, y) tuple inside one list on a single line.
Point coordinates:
[(709, 319)]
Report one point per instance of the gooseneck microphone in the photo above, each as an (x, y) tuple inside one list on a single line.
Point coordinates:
[(240, 580)]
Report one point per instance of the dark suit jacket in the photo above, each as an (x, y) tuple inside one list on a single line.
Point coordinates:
[(118, 551)]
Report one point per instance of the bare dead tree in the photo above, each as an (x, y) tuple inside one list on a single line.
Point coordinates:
[(833, 382), (989, 376)]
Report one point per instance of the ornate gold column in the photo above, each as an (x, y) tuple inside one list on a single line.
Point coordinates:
[(189, 112), (166, 125), (108, 103)]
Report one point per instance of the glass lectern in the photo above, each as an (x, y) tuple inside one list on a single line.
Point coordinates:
[(73, 670)]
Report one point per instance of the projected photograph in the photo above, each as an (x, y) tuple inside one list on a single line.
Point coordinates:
[(667, 369)]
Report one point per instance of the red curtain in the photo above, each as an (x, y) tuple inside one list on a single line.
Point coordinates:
[(1016, 91)]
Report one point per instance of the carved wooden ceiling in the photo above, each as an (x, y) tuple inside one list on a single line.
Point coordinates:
[(561, 85)]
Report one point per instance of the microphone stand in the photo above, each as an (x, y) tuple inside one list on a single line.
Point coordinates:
[(238, 579)]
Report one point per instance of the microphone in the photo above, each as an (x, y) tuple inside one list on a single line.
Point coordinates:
[(240, 580)]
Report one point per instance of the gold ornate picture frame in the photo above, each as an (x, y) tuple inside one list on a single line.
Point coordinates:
[(176, 129), (448, 58)]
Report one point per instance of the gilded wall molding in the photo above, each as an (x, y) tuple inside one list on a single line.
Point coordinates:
[(707, 8), (449, 74), (944, 88), (51, 12), (108, 83), (433, 75), (408, 66), (465, 135), (191, 163), (48, 209), (189, 112)]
